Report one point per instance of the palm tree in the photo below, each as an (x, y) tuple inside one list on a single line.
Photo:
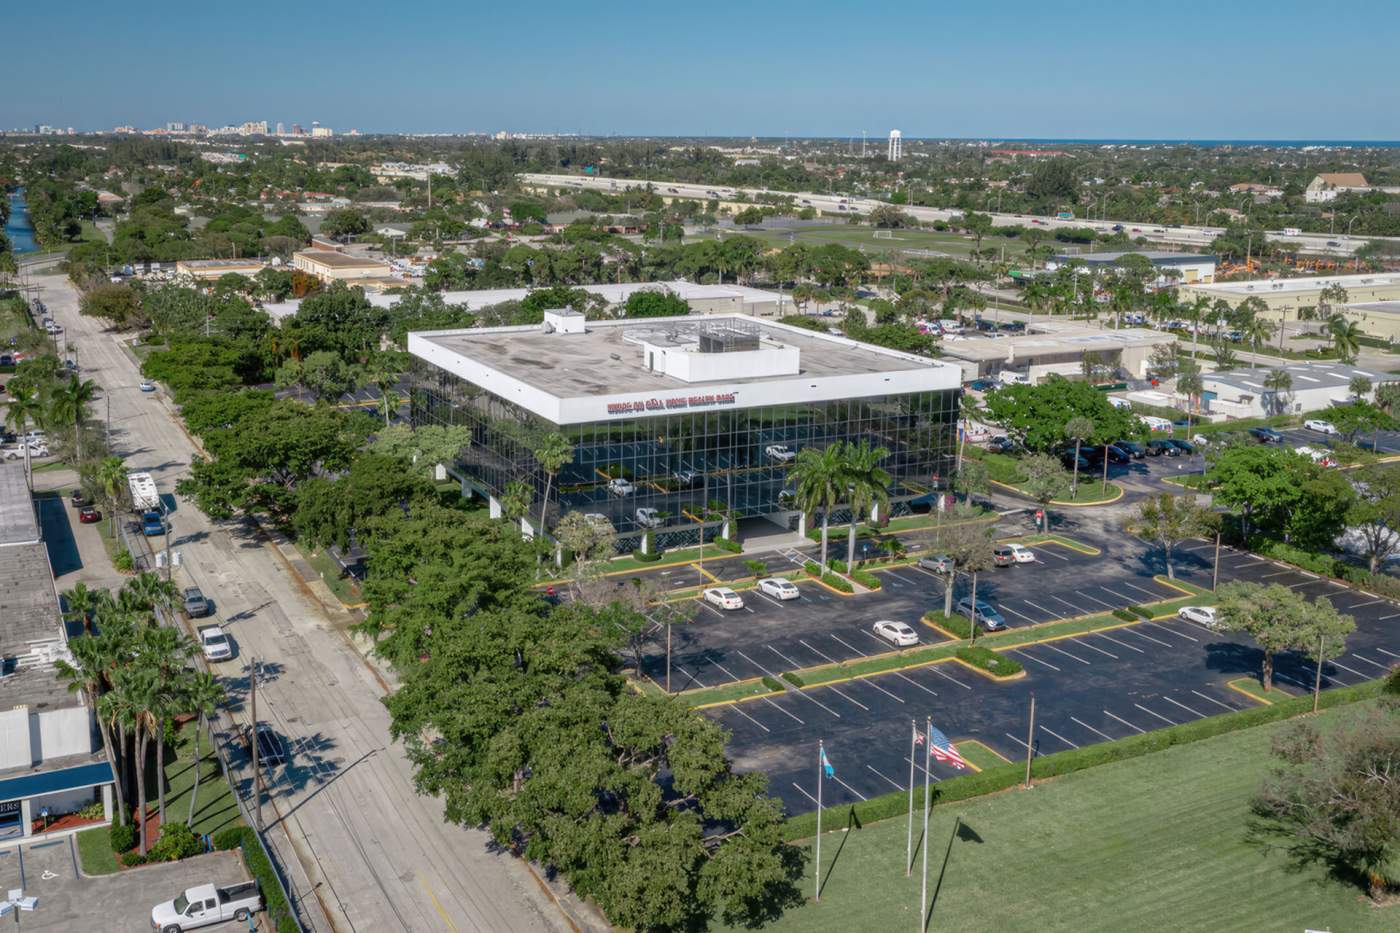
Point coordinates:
[(820, 478), (83, 603), (1360, 388), (203, 693), (111, 479), (1255, 329), (552, 451), (68, 405), (869, 487), (1077, 429), (148, 590), (25, 409), (384, 371), (1195, 313), (1345, 336), (1388, 397), (86, 674), (1280, 383), (1189, 383), (133, 701), (164, 652)]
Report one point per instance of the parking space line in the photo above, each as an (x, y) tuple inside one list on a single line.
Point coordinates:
[(736, 708), (895, 573), (804, 793), (1350, 669), (1134, 586), (783, 711), (920, 769), (1369, 661), (1084, 643), (1027, 654), (725, 669), (1058, 736), (882, 642), (1053, 613), (1020, 742), (1281, 573), (897, 786), (753, 662), (1369, 602), (870, 682), (1091, 728), (1133, 629), (935, 669), (1099, 601), (1043, 551), (1138, 730), (1215, 701), (1064, 652), (1079, 610), (1014, 612), (706, 605), (900, 675), (849, 645), (837, 691), (1158, 715), (1171, 630), (848, 787), (1117, 642), (803, 641), (1118, 594), (795, 665), (1184, 706), (1298, 683), (1392, 616), (1390, 653), (769, 598)]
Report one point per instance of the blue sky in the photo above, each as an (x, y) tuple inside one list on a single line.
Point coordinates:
[(1238, 69)]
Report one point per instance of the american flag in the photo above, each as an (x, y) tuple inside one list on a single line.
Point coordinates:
[(942, 749)]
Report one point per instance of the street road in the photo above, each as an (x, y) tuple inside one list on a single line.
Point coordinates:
[(377, 855), (1193, 236)]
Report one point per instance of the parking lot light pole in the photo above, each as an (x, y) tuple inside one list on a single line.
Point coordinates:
[(1215, 570), (1317, 678), (253, 736), (909, 845), (1030, 743)]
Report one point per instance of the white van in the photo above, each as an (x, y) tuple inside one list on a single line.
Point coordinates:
[(1155, 424), (1117, 402), (1008, 378)]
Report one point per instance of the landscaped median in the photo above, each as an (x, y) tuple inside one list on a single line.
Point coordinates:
[(1004, 776), (948, 651)]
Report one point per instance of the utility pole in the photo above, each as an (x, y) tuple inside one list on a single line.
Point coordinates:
[(923, 887), (1317, 679), (909, 845), (1215, 570), (253, 741)]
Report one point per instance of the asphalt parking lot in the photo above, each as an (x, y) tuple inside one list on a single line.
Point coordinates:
[(1090, 688), (767, 636)]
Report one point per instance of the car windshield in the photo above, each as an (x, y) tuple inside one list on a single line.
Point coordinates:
[(181, 903)]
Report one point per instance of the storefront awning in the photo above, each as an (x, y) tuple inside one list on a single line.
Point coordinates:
[(53, 782)]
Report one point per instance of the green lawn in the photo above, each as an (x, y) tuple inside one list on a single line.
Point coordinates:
[(215, 808), (341, 585), (1153, 843), (95, 851), (863, 237)]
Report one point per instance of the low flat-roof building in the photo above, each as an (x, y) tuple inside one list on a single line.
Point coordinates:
[(1380, 319), (703, 299), (1055, 348), (1245, 393), (1283, 297), (330, 266), (1184, 267), (210, 270), (675, 419), (50, 753)]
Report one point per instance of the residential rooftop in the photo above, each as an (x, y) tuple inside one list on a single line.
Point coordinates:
[(32, 631), (1310, 375)]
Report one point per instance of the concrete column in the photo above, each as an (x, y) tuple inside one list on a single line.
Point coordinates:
[(802, 524), (107, 802), (495, 505), (26, 818)]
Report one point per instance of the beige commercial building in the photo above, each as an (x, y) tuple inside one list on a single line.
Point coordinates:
[(208, 270), (1286, 296), (330, 266), (1056, 348)]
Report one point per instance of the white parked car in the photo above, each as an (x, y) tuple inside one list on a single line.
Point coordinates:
[(1023, 554), (938, 564), (205, 905), (648, 518), (780, 453), (597, 519), (1322, 457), (215, 643), (147, 386), (723, 597), (1201, 615), (1200, 440), (621, 487), (778, 588), (896, 633), (1321, 427)]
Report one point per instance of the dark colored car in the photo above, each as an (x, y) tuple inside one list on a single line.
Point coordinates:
[(1186, 447), (7, 360), (981, 385), (272, 751), (1095, 455), (1159, 448), (1001, 444), (1132, 449), (78, 500), (88, 515), (1067, 458), (1266, 435), (196, 606)]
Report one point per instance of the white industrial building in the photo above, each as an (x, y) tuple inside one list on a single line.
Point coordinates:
[(1055, 348), (1176, 268), (1244, 393), (51, 756)]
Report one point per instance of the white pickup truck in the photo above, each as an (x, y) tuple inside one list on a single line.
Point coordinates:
[(206, 904)]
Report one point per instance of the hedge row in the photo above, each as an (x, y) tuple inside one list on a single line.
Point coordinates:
[(866, 579), (957, 625), (1066, 762), (773, 684), (793, 679), (1380, 584), (838, 583), (990, 661), (728, 544), (1127, 615), (278, 910)]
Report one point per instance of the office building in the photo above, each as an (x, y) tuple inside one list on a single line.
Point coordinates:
[(1245, 393), (678, 420), (896, 146)]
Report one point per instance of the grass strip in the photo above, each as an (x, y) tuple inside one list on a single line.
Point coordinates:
[(95, 851), (1004, 776), (1255, 690), (980, 756)]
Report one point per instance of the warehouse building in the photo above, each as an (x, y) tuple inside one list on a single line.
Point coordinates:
[(1176, 268), (1056, 348), (211, 270), (331, 266), (678, 422), (51, 757), (1284, 297), (1245, 393)]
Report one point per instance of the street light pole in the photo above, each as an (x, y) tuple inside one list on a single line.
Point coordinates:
[(253, 740)]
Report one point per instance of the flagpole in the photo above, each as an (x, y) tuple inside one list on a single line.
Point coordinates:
[(821, 752), (909, 846), (923, 888)]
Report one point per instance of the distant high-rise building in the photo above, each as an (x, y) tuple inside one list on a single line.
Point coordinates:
[(175, 126), (297, 130), (896, 145), (281, 128), (319, 131)]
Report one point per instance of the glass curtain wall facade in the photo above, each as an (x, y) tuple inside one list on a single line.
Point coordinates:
[(733, 460)]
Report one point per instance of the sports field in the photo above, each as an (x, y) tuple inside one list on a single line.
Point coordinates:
[(1155, 843), (863, 237)]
